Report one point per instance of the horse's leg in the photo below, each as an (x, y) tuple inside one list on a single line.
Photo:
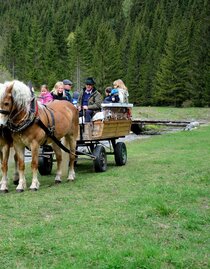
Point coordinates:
[(34, 166), (1, 158), (72, 156), (16, 174), (4, 167), (21, 167), (58, 155)]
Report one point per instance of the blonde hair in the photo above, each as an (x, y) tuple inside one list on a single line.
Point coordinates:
[(44, 86), (56, 86), (120, 84)]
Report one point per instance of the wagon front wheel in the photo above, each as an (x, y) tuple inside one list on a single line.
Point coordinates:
[(100, 162), (120, 154), (45, 161)]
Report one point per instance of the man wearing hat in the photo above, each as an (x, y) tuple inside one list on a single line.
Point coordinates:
[(67, 88), (89, 100)]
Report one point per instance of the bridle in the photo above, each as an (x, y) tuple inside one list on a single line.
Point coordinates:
[(23, 123), (5, 112)]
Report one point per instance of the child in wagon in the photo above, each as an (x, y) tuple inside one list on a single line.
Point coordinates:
[(45, 96), (112, 95)]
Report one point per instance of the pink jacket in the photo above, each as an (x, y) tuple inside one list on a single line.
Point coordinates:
[(46, 98)]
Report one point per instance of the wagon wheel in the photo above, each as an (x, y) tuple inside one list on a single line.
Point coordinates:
[(100, 162), (120, 154), (45, 163)]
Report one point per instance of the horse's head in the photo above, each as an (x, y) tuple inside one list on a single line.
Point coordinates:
[(14, 97), (5, 102)]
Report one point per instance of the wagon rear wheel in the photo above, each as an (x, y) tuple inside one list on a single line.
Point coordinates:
[(45, 161), (120, 154), (100, 162)]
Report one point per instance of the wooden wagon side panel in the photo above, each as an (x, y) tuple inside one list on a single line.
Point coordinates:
[(108, 129)]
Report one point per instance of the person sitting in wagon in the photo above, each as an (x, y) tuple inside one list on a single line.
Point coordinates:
[(122, 89), (89, 100), (58, 92), (68, 84), (45, 96), (112, 95), (75, 97)]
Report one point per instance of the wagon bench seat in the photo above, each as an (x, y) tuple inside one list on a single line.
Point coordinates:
[(115, 122)]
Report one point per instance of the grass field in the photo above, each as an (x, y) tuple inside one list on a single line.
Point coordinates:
[(152, 213), (171, 113)]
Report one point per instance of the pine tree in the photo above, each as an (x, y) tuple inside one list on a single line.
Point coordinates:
[(34, 56), (173, 75), (105, 57), (155, 45), (79, 56), (60, 34), (50, 56), (134, 71), (199, 60)]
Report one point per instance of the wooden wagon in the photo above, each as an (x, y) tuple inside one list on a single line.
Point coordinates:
[(98, 138)]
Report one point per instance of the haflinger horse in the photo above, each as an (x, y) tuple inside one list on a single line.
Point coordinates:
[(33, 125), (5, 145)]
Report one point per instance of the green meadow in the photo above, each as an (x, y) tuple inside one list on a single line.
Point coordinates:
[(151, 213), (172, 113)]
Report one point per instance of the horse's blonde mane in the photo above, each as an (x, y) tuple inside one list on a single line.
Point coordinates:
[(20, 92), (2, 87), (2, 90)]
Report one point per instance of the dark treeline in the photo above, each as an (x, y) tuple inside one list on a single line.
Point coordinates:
[(159, 48)]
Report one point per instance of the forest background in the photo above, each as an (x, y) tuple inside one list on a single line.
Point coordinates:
[(159, 48)]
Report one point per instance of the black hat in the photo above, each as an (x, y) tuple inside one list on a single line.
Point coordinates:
[(67, 82), (89, 81)]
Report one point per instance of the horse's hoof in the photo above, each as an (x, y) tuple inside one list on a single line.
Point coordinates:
[(33, 189), (58, 181), (16, 182), (20, 190), (4, 191)]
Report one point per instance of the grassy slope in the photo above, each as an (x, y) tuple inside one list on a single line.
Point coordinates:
[(151, 213)]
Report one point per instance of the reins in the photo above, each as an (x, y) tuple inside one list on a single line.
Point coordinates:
[(5, 112), (50, 133), (50, 129)]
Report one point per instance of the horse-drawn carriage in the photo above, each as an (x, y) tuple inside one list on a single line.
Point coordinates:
[(35, 127), (97, 139)]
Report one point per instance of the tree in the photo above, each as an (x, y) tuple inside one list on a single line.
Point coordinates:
[(4, 74), (135, 61), (34, 57), (50, 56), (173, 75), (200, 56), (79, 56), (105, 56)]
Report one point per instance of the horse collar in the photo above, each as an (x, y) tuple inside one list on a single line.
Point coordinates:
[(27, 122)]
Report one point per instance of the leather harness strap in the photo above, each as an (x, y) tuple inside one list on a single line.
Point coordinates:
[(51, 135)]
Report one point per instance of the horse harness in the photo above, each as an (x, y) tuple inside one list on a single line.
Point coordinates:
[(32, 117), (25, 121), (50, 129)]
